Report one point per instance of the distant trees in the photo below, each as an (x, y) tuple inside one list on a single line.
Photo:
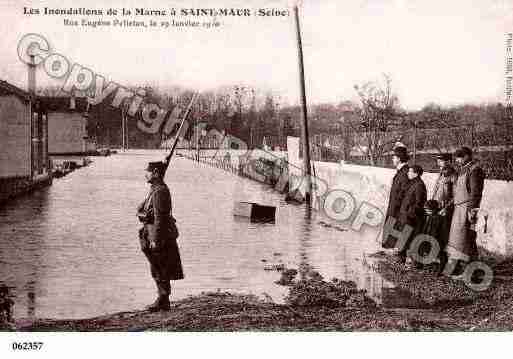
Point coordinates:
[(370, 126), (445, 128)]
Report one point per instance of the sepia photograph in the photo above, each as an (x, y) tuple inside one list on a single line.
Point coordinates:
[(233, 166)]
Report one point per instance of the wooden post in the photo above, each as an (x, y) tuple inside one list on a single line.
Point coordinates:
[(304, 127)]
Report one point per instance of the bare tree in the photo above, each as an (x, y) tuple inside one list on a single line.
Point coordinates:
[(378, 114)]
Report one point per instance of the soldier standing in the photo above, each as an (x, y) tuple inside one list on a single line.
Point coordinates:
[(158, 235)]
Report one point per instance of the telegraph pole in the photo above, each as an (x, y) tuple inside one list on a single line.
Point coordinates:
[(414, 139), (123, 128), (304, 127)]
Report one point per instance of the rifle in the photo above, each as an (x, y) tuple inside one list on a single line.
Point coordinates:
[(187, 111)]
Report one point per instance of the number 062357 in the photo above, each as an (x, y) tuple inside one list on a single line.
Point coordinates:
[(27, 345)]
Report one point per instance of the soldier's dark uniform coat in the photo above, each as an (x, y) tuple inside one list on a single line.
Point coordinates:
[(164, 259), (400, 184)]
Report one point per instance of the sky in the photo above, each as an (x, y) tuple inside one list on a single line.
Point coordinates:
[(448, 52)]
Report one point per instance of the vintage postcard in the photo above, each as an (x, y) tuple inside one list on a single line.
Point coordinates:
[(255, 166)]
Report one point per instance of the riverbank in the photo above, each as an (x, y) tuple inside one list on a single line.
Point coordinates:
[(446, 305)]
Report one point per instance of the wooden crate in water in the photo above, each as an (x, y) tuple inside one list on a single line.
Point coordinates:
[(254, 211)]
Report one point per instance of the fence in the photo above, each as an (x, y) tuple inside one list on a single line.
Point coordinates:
[(261, 169), (492, 145)]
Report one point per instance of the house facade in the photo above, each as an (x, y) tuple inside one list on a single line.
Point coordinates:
[(24, 160), (67, 126)]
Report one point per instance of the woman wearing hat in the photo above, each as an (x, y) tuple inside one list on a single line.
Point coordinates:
[(159, 234)]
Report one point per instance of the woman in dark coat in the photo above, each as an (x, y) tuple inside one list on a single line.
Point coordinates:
[(158, 236)]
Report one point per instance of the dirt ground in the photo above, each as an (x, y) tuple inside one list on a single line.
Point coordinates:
[(443, 305)]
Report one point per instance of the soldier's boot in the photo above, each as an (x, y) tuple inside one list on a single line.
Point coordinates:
[(165, 304), (164, 289), (161, 303), (155, 306)]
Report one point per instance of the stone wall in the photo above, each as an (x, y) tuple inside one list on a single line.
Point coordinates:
[(372, 184)]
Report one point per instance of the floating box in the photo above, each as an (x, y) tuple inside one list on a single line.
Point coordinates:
[(254, 211)]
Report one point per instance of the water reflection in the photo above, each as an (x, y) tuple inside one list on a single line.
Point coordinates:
[(304, 238), (31, 304), (71, 250), (23, 230)]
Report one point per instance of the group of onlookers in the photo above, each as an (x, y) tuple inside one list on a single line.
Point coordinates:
[(449, 215)]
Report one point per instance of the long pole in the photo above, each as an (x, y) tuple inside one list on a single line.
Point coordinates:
[(304, 127), (175, 142)]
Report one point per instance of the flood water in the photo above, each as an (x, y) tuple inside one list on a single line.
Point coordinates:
[(71, 250)]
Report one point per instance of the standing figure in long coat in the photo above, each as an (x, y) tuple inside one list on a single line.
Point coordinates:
[(411, 212), (462, 246), (158, 236), (443, 194), (399, 186)]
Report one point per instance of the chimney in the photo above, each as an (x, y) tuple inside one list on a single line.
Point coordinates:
[(32, 76)]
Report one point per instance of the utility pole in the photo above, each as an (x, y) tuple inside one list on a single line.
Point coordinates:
[(123, 128), (304, 127), (414, 139), (126, 127), (196, 133), (198, 142), (251, 136)]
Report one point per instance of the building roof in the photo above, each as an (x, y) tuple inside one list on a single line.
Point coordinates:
[(62, 104), (8, 89)]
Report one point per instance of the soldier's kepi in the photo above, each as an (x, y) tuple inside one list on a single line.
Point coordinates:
[(158, 235)]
